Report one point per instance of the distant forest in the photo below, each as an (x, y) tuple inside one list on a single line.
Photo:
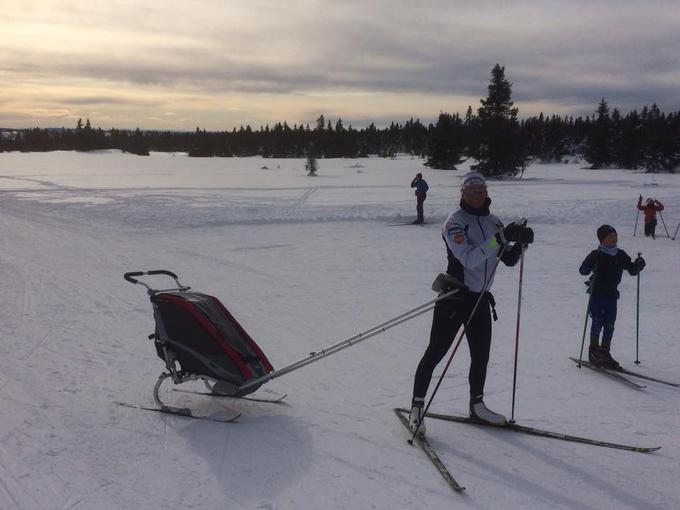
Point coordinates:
[(648, 139)]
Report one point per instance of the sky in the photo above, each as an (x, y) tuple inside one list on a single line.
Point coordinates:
[(220, 64)]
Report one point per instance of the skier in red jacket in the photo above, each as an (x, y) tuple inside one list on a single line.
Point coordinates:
[(651, 207)]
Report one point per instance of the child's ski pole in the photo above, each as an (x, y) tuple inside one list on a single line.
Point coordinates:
[(664, 224), (591, 284)]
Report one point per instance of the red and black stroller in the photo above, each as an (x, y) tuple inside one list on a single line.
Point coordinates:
[(198, 339)]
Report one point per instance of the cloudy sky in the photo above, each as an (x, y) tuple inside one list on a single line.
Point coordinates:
[(170, 64)]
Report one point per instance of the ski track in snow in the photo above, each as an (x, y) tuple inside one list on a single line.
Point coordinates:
[(302, 267)]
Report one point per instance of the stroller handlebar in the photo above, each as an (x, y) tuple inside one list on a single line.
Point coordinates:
[(130, 277)]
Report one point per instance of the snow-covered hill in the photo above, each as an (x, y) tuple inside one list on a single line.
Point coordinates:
[(303, 262)]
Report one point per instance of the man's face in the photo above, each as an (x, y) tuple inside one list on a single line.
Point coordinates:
[(475, 196)]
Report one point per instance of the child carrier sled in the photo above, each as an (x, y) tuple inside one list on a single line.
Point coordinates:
[(199, 339)]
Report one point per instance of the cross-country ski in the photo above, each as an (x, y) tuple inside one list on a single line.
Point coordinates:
[(425, 445), (625, 371), (515, 427), (611, 373)]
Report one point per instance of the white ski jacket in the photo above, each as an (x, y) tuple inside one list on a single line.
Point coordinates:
[(472, 246)]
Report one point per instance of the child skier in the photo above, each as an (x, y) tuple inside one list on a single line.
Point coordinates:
[(651, 207), (606, 263)]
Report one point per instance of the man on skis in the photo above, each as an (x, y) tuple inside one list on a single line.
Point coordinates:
[(474, 240), (421, 193)]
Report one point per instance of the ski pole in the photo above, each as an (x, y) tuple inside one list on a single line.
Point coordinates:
[(359, 337), (591, 284), (460, 338), (676, 231), (664, 224), (637, 217), (519, 307), (637, 320)]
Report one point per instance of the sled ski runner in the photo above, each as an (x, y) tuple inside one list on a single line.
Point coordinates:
[(278, 400), (614, 374), (431, 454), (186, 413), (539, 432)]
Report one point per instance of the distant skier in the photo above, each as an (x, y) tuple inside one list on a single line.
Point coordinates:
[(606, 263), (651, 207), (421, 193), (473, 238)]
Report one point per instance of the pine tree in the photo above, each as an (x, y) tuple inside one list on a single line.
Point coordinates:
[(447, 143), (628, 144), (599, 151), (311, 165), (500, 151)]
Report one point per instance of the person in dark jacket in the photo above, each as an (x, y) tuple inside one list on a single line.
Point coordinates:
[(474, 240), (651, 207), (421, 193), (607, 264)]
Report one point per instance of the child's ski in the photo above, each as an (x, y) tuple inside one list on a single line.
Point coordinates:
[(614, 374), (431, 454), (646, 377)]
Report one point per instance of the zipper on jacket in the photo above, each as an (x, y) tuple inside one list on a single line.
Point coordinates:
[(481, 229)]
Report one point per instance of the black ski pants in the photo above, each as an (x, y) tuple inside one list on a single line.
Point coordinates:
[(449, 315), (650, 229), (419, 207)]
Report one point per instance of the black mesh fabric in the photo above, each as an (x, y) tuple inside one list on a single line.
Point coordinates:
[(186, 329), (212, 309)]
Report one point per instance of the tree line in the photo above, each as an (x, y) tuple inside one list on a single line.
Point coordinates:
[(492, 135)]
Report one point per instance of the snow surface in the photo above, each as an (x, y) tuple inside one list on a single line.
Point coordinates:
[(304, 262)]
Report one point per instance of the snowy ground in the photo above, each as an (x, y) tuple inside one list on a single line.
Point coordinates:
[(304, 262)]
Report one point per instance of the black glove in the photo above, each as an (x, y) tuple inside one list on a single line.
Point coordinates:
[(639, 263), (518, 233)]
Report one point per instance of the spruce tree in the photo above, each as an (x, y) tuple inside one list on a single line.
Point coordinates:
[(447, 143), (311, 165), (599, 150), (500, 150), (627, 143)]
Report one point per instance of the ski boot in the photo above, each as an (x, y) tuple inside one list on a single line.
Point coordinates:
[(416, 419), (607, 361), (482, 414), (596, 356)]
